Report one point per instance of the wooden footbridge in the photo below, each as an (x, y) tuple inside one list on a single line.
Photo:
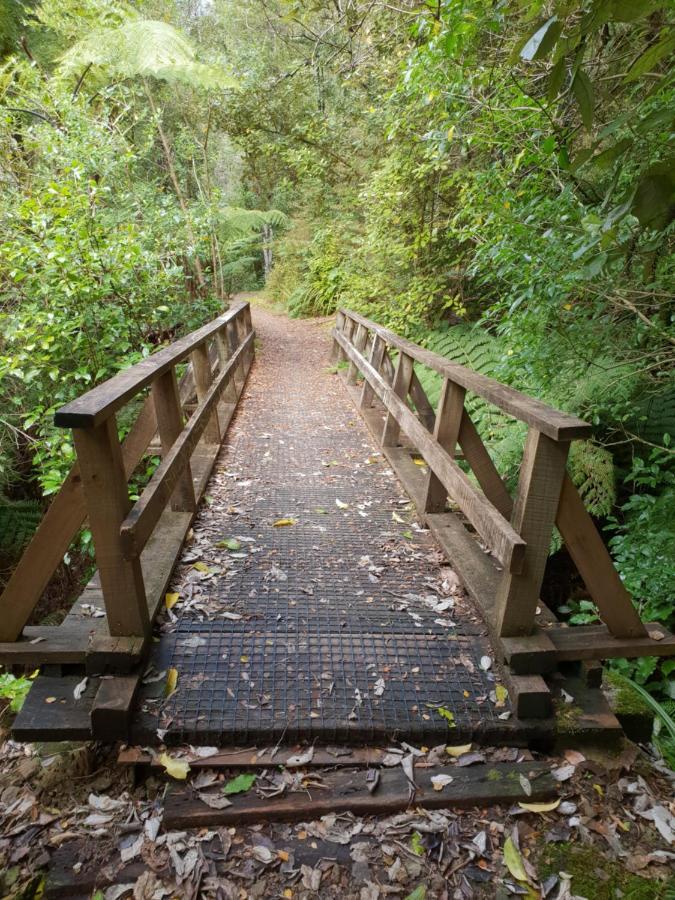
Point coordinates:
[(328, 623)]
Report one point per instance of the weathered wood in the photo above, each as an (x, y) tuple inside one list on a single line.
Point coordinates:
[(530, 696), (105, 487), (587, 549), (201, 366), (376, 357), (425, 411), (596, 642), (446, 432), (224, 354), (141, 520), (170, 424), (541, 474), (56, 531), (336, 350), (111, 711), (347, 791), (549, 421), (504, 541), (401, 387), (477, 456), (262, 759), (51, 712), (102, 401), (531, 655), (359, 343), (114, 654)]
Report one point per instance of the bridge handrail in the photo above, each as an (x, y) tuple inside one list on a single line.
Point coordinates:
[(550, 421), (96, 405)]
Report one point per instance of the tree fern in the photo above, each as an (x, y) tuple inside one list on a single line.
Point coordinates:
[(18, 521), (146, 48)]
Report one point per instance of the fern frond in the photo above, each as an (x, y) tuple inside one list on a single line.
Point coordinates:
[(591, 468), (146, 48), (18, 521), (233, 222)]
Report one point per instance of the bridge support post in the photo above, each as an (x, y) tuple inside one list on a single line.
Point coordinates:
[(446, 432), (201, 367), (166, 399), (105, 487), (541, 478), (402, 381)]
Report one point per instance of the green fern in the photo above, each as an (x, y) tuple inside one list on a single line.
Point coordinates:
[(18, 521), (145, 48), (591, 468)]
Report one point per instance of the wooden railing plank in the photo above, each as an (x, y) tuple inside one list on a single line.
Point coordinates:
[(55, 533), (401, 387), (105, 487), (102, 401), (142, 518), (446, 432), (170, 424), (201, 366), (480, 461), (541, 476), (500, 536), (359, 342), (552, 422), (595, 565), (376, 358)]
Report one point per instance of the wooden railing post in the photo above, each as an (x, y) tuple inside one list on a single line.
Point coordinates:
[(401, 386), (105, 488), (446, 432), (201, 367), (359, 342), (224, 354), (539, 487), (337, 353), (376, 357), (166, 398)]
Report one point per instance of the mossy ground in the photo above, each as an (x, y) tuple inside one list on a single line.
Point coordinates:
[(597, 877)]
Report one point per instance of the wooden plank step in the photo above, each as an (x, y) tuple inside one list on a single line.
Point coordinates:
[(51, 713), (347, 791), (251, 758)]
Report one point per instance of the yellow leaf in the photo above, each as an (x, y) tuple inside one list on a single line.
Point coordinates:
[(567, 306), (598, 790), (171, 600), (281, 522), (200, 567), (243, 659), (540, 807), (419, 462), (458, 751), (171, 682), (283, 855), (50, 700), (288, 893), (176, 768), (514, 861), (451, 133), (501, 693)]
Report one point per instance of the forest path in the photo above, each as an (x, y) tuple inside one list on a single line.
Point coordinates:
[(346, 625)]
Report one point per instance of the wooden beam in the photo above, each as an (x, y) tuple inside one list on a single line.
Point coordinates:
[(55, 533), (376, 357), (170, 424), (552, 422), (347, 791), (105, 487), (507, 545), (541, 475), (587, 549), (201, 366), (102, 401), (110, 714), (138, 525), (477, 456), (425, 411), (401, 388), (359, 344), (596, 642), (446, 432)]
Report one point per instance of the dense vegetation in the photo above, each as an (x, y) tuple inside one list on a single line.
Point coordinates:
[(493, 179)]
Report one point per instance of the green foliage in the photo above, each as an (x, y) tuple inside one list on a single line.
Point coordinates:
[(14, 689), (18, 521)]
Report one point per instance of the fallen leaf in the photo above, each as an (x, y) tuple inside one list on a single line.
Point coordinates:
[(416, 844), (446, 714), (458, 751), (341, 505), (280, 523), (80, 688), (229, 544), (378, 689), (485, 663), (419, 893), (301, 759), (525, 785), (176, 768), (215, 801), (50, 700), (239, 784), (200, 567), (171, 682), (501, 693), (440, 781), (513, 860), (170, 600), (540, 807), (563, 773)]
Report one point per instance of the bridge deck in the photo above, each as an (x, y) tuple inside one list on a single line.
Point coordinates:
[(296, 633)]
